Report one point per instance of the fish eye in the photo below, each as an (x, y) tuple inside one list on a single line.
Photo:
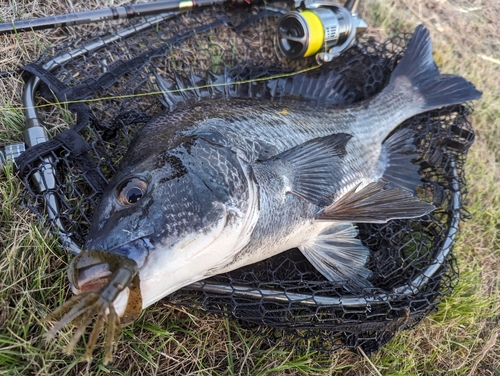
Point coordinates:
[(131, 191)]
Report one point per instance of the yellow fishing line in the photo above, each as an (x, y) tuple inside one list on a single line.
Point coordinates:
[(282, 75)]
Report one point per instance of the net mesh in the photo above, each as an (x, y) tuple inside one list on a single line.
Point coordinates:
[(411, 260)]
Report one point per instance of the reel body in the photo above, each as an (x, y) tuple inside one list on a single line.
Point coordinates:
[(319, 26)]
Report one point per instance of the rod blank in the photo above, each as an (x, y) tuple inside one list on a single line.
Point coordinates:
[(100, 15)]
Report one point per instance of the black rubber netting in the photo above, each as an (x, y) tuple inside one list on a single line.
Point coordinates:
[(413, 267)]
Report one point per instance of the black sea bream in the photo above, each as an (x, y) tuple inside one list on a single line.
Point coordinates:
[(224, 183)]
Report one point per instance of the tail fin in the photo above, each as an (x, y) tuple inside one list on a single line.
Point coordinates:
[(418, 66)]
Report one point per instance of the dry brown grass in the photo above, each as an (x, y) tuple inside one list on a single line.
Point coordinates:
[(461, 339)]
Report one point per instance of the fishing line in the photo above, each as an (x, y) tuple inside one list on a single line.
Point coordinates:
[(191, 88)]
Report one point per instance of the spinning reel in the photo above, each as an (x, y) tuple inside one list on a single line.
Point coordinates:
[(319, 25)]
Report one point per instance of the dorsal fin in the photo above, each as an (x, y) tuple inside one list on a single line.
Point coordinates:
[(325, 88), (396, 157)]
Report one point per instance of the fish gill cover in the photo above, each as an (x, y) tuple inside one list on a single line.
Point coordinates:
[(109, 85)]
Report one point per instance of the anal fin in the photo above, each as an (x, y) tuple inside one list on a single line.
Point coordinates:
[(339, 255), (375, 204)]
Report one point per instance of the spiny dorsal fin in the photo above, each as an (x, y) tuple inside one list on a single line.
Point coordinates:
[(339, 255), (311, 169), (375, 204), (327, 88), (183, 90)]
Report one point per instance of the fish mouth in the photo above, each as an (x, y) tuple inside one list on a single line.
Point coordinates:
[(107, 286), (137, 250)]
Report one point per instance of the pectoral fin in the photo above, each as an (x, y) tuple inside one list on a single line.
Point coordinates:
[(375, 204), (339, 255), (311, 169)]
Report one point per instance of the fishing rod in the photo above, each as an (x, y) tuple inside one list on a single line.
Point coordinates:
[(109, 14)]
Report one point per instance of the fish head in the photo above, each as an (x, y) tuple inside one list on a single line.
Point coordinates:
[(180, 215), (165, 220)]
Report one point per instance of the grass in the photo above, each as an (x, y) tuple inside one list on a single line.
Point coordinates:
[(462, 338)]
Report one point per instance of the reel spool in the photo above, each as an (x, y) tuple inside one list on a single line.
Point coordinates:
[(320, 25)]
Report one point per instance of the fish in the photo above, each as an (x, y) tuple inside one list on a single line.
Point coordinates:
[(226, 182)]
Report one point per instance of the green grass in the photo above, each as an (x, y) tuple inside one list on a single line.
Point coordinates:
[(461, 338)]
